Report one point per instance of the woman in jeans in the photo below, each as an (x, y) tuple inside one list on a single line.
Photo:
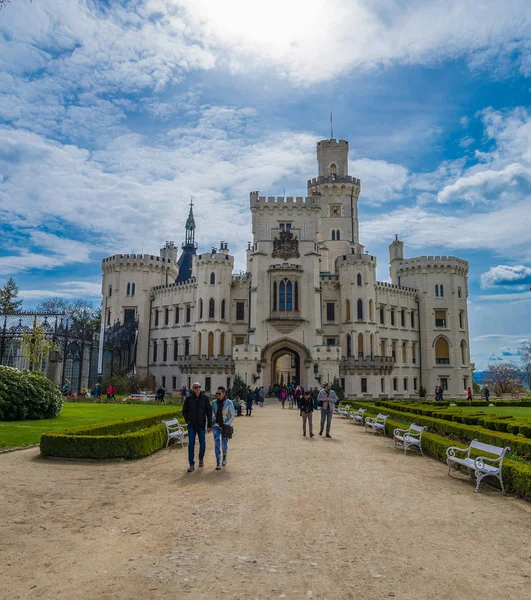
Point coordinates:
[(222, 414)]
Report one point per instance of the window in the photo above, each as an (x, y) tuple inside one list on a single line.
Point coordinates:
[(156, 318), (175, 349), (436, 290), (333, 235), (210, 347), (333, 169), (349, 345), (285, 226), (371, 316), (108, 316), (382, 316), (201, 308), (402, 318), (360, 346), (166, 316), (382, 348), (347, 310), (212, 278), (222, 344), (188, 314), (154, 350), (465, 383), (240, 311), (165, 351), (177, 312), (442, 352), (296, 295), (405, 384), (289, 296), (174, 383), (463, 352), (342, 383), (199, 343), (393, 351), (128, 289), (392, 312), (187, 347), (330, 312), (110, 290), (460, 319), (358, 279), (129, 315), (442, 290), (412, 320), (211, 308), (338, 235), (443, 382), (239, 340), (223, 309), (415, 383), (360, 310), (363, 385), (404, 353), (440, 318), (330, 341), (208, 384), (459, 292), (382, 385), (133, 289), (395, 384), (414, 353), (275, 296), (163, 382)]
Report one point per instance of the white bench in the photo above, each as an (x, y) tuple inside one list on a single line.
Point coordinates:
[(343, 411), (409, 438), (483, 466), (144, 397), (357, 416), (176, 431), (377, 424)]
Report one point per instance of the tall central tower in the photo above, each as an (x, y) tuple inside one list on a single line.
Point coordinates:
[(338, 193)]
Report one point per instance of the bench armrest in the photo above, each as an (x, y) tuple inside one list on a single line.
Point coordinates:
[(479, 461), (370, 420), (450, 451), (399, 431)]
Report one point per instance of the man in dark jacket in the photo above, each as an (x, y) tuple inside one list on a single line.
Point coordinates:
[(197, 412), (306, 406)]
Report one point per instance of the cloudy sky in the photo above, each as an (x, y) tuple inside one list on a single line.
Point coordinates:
[(113, 113)]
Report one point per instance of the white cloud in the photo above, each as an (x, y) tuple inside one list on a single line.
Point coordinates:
[(381, 181), (506, 275), (70, 290)]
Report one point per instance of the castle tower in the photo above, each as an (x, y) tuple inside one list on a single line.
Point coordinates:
[(396, 254), (189, 248)]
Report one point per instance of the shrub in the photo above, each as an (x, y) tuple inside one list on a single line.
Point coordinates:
[(127, 438), (27, 395), (525, 430)]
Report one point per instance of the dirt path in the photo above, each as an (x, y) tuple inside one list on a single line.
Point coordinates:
[(290, 517)]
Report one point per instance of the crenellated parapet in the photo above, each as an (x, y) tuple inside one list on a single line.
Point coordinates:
[(433, 263), (383, 285), (334, 180), (185, 286), (356, 259), (136, 261), (277, 202)]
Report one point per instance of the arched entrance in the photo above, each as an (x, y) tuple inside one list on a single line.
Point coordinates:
[(285, 367)]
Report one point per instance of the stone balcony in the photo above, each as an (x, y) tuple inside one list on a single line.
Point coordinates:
[(373, 364), (193, 363)]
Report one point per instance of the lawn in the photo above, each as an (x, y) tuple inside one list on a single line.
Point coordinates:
[(24, 433), (518, 412)]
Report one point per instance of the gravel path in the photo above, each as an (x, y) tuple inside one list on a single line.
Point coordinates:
[(290, 517)]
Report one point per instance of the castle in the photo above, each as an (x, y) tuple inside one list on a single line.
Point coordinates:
[(308, 308)]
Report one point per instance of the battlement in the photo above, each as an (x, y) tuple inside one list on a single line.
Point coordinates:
[(433, 262), (214, 256), (189, 284), (332, 143), (333, 180), (241, 279), (257, 201), (136, 260), (391, 286), (285, 267), (347, 259)]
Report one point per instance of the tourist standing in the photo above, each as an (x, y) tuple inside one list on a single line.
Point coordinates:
[(469, 394), (238, 406), (109, 391), (161, 392), (283, 396), (197, 412), (223, 414), (84, 391), (326, 400), (306, 407), (487, 393), (249, 404), (261, 394), (113, 392)]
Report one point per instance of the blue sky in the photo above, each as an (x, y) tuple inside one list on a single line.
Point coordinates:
[(112, 114)]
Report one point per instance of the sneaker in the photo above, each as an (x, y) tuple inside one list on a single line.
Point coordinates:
[(328, 435), (320, 433), (311, 434), (191, 469), (218, 467), (224, 461), (201, 463)]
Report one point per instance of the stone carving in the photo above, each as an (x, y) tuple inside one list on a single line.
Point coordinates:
[(286, 247)]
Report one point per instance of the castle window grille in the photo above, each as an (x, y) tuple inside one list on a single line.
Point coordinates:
[(211, 308), (330, 312), (296, 295), (360, 310), (240, 311)]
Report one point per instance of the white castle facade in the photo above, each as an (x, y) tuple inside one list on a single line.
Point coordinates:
[(308, 307)]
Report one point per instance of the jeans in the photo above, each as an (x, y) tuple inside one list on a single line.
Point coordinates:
[(219, 440), (249, 410), (307, 417), (201, 433), (326, 415)]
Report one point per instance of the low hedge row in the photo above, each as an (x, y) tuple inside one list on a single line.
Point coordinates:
[(127, 438), (520, 445), (516, 475)]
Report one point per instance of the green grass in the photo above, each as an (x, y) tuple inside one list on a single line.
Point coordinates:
[(24, 433), (518, 412)]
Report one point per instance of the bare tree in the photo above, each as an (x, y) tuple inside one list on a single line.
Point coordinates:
[(504, 378), (525, 352), (81, 312)]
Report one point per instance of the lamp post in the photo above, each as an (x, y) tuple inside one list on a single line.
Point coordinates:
[(258, 371)]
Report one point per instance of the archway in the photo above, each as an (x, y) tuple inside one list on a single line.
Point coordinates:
[(285, 367)]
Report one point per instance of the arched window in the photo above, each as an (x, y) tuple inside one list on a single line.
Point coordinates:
[(275, 295), (128, 289), (133, 289), (459, 292), (360, 345), (296, 296), (212, 278), (333, 235), (347, 310), (358, 279), (370, 310), (442, 352), (442, 291), (289, 296), (223, 309), (282, 296), (333, 169), (338, 235), (211, 308), (372, 344), (200, 308), (199, 343), (349, 345), (222, 344), (360, 310), (463, 352), (210, 344), (436, 290)]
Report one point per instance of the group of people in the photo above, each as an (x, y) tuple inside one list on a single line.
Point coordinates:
[(88, 393)]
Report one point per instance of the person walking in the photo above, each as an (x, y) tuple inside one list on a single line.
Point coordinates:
[(249, 404), (326, 400), (487, 393), (109, 391), (469, 395), (113, 392), (261, 394), (283, 396), (197, 412), (306, 408), (161, 392), (223, 413)]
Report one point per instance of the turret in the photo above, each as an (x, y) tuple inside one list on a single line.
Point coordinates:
[(396, 254), (189, 248), (169, 251), (332, 156)]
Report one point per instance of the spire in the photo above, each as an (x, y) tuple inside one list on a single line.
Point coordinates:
[(190, 225)]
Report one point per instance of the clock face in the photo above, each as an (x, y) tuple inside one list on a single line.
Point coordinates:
[(335, 211)]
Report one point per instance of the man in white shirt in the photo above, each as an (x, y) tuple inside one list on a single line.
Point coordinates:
[(326, 399)]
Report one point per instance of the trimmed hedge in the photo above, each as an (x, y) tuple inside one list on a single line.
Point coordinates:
[(516, 475), (27, 395), (127, 438)]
